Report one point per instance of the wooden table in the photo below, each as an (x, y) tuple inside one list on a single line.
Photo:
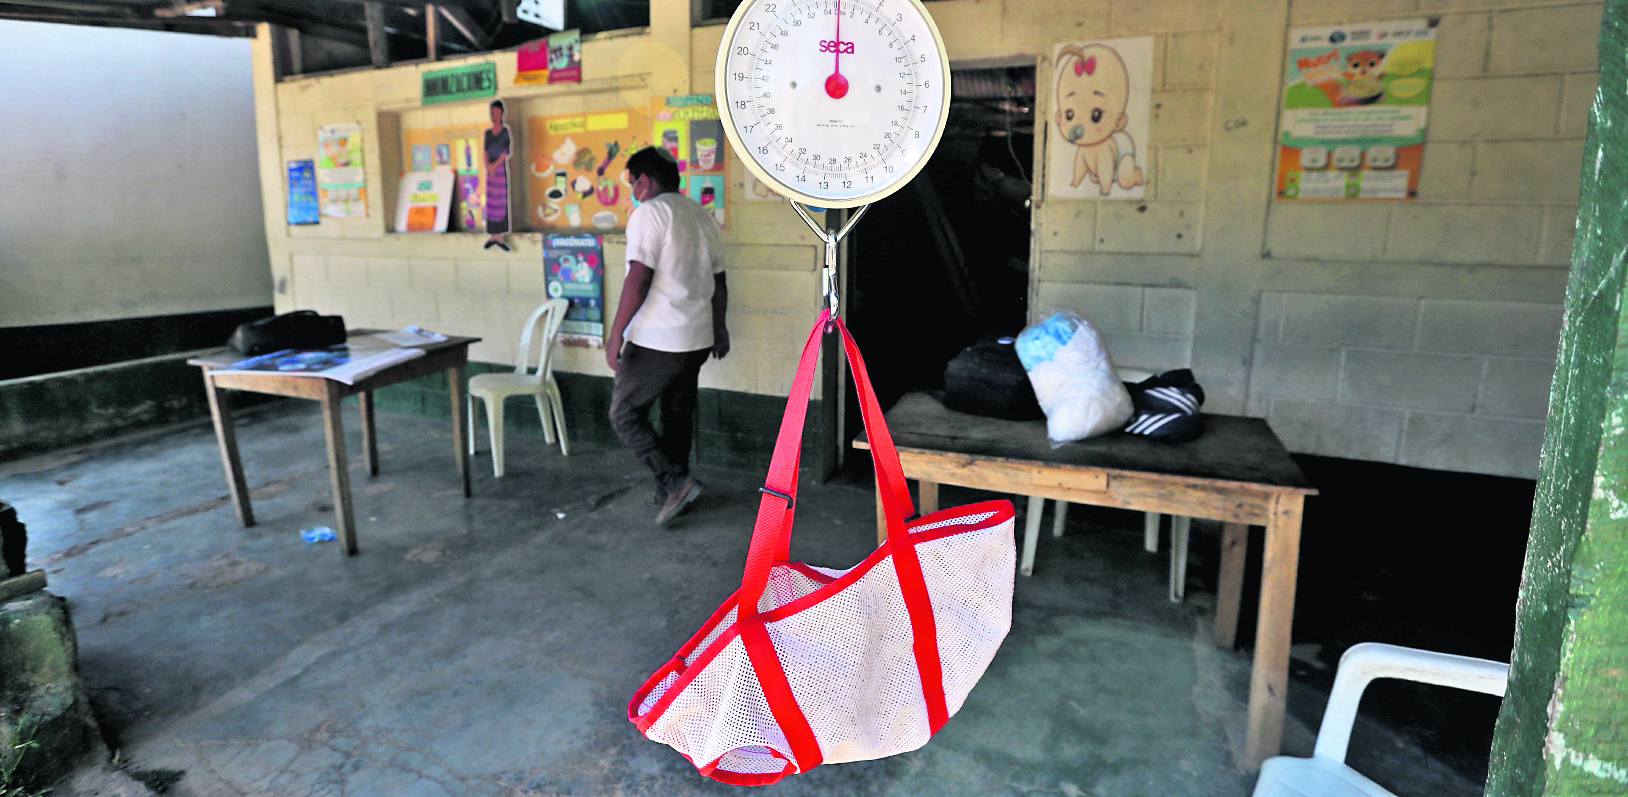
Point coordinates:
[(1237, 472), (449, 356)]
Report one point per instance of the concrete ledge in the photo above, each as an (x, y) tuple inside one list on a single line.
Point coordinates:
[(51, 411)]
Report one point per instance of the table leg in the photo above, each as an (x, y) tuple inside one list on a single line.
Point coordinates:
[(927, 497), (226, 435), (1031, 533), (370, 441), (1269, 681), (460, 434), (1229, 593), (338, 470)]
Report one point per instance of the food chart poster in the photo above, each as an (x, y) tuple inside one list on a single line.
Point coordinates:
[(341, 180), (689, 128), (574, 267), (1102, 97), (1355, 105), (577, 168)]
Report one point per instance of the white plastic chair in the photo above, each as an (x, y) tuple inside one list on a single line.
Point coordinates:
[(1180, 526), (536, 345), (1325, 773)]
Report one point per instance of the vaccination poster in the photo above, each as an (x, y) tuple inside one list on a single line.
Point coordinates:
[(574, 267), (1354, 111), (341, 179)]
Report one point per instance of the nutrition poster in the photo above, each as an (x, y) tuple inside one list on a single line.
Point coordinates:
[(688, 127), (1354, 111), (341, 180), (577, 168)]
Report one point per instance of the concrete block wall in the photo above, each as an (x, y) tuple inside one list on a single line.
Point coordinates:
[(447, 282), (1407, 380), (1419, 332), (1189, 276)]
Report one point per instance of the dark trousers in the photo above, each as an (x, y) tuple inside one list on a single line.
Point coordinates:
[(647, 376)]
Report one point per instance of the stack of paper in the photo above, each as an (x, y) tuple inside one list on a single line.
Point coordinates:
[(341, 363)]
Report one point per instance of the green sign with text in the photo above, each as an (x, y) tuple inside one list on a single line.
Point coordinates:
[(463, 83)]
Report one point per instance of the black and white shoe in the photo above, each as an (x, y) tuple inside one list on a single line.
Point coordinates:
[(1167, 406)]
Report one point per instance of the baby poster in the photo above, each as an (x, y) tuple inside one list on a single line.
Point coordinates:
[(574, 269), (1102, 93), (1355, 99)]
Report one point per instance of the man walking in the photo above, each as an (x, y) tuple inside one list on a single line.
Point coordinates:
[(670, 317)]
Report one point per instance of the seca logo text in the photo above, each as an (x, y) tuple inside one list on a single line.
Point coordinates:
[(839, 47)]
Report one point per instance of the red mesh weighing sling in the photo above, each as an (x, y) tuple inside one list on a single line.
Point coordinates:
[(808, 665)]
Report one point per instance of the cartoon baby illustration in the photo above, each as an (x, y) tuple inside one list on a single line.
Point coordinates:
[(1092, 90)]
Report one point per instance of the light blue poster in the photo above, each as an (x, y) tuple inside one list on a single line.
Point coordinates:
[(302, 193)]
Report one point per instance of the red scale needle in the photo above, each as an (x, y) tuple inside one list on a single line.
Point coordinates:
[(836, 86)]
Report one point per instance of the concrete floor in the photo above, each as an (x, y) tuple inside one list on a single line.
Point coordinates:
[(489, 646)]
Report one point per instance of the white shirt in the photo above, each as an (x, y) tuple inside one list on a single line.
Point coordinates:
[(680, 242)]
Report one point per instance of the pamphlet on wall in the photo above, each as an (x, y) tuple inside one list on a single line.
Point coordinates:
[(341, 179), (346, 363), (574, 268), (302, 193), (425, 201), (1355, 103)]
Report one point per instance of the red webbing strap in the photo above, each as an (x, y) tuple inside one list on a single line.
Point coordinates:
[(771, 675), (907, 566), (769, 535)]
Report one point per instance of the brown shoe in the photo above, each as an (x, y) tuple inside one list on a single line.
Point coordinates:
[(678, 501)]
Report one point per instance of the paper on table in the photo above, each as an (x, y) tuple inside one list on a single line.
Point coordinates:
[(411, 336), (340, 363)]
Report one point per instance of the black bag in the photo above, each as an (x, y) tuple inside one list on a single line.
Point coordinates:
[(988, 379), (301, 329), (1167, 407)]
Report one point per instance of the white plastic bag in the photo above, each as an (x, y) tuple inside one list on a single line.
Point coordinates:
[(1073, 378)]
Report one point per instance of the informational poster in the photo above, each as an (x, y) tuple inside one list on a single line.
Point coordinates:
[(689, 128), (425, 201), (458, 147), (574, 267), (341, 179), (302, 193), (1103, 95), (553, 59), (577, 168), (1355, 104)]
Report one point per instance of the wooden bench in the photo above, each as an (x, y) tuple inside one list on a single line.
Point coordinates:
[(1237, 472)]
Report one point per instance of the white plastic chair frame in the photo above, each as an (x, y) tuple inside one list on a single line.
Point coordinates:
[(536, 346), (1180, 526), (1325, 773)]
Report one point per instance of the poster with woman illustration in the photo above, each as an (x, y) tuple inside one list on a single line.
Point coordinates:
[(1102, 96), (497, 144)]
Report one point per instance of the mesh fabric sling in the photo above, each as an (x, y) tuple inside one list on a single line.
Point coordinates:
[(808, 665)]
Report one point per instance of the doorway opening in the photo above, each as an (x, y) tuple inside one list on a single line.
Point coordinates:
[(944, 263)]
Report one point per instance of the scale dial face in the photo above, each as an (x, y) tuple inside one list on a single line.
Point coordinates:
[(835, 103)]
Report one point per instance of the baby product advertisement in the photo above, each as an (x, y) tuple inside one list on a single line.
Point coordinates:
[(1103, 92), (1355, 104)]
